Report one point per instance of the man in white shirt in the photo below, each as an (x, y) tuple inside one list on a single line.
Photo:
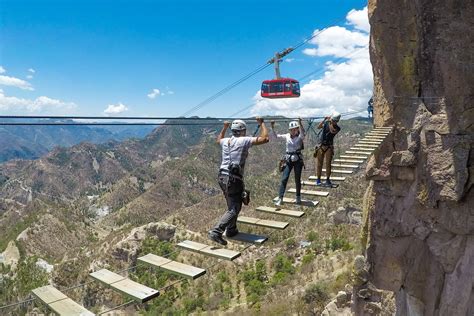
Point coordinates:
[(293, 157), (231, 174)]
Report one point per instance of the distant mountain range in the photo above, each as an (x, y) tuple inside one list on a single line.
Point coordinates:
[(32, 142)]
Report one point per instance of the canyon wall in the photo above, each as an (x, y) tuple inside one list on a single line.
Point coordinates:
[(420, 220)]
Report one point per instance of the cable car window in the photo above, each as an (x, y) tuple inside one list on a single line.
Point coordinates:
[(265, 87), (276, 87), (287, 86), (296, 88)]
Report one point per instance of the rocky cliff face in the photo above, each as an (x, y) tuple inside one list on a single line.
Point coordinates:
[(421, 206)]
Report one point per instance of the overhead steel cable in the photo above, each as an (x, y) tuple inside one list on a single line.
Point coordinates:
[(224, 90)]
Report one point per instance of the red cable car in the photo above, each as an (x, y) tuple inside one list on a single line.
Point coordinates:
[(280, 87)]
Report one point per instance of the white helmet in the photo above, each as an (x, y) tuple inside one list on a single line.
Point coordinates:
[(238, 125), (336, 116), (293, 124)]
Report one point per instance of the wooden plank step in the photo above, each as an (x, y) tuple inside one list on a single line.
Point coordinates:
[(370, 141), (209, 250), (353, 157), (384, 127), (332, 178), (137, 291), (366, 145), (310, 192), (368, 150), (358, 152), (341, 165), (349, 160), (339, 171), (362, 148), (172, 266), (377, 134), (59, 302), (279, 211), (262, 222), (304, 202), (375, 138), (249, 238)]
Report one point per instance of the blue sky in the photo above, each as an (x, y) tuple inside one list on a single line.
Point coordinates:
[(84, 57)]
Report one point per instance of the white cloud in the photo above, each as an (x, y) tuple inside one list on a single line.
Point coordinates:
[(31, 70), (337, 41), (39, 104), (345, 85), (29, 77), (115, 109), (154, 93), (15, 82), (289, 60), (359, 19), (2, 70)]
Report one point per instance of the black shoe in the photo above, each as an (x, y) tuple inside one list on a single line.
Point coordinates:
[(231, 233), (217, 238)]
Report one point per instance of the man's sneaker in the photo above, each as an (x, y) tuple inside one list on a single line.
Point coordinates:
[(231, 233), (318, 182), (217, 238), (328, 183), (298, 199), (278, 202)]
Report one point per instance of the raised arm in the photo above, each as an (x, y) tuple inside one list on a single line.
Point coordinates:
[(322, 122), (263, 138), (302, 131), (272, 135), (222, 133), (333, 127)]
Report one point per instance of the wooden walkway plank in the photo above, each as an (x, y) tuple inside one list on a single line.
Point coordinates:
[(366, 145), (137, 291), (349, 160), (352, 157), (310, 192), (362, 148), (171, 266), (59, 302), (207, 250), (304, 202), (339, 171), (374, 138), (365, 142), (332, 178), (341, 165), (377, 134), (373, 142), (358, 153), (249, 238), (262, 222), (280, 211)]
